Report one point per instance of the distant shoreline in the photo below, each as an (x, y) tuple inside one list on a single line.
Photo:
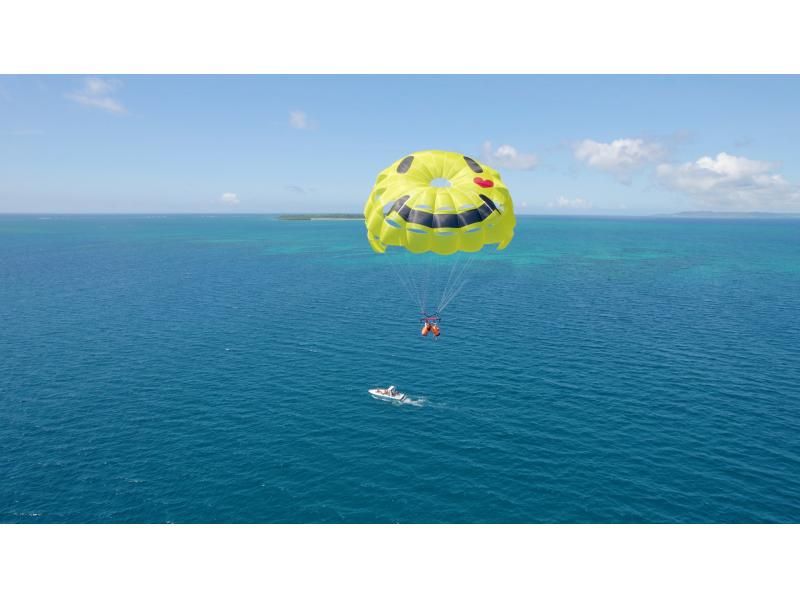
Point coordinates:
[(320, 217), (699, 215), (733, 215)]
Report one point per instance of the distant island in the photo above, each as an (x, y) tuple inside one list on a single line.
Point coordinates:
[(733, 215), (321, 217)]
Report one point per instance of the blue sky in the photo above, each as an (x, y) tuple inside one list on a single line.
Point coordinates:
[(564, 145)]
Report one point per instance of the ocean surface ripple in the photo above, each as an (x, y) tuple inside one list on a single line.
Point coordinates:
[(214, 369)]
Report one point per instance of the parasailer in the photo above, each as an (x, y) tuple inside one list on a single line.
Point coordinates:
[(442, 204), (430, 325)]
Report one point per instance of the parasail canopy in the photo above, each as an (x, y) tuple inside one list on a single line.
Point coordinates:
[(439, 202)]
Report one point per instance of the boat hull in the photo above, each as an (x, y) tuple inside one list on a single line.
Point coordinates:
[(376, 393)]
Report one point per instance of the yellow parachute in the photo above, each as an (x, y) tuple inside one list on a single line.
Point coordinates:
[(440, 202)]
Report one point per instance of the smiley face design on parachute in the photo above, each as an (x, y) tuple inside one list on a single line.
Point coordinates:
[(441, 202)]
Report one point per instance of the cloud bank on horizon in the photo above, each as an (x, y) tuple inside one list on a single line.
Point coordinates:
[(184, 134), (724, 182), (732, 182)]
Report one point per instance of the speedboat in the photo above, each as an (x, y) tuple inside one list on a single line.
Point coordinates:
[(390, 394)]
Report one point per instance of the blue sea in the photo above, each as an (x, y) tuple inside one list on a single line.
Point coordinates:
[(215, 368)]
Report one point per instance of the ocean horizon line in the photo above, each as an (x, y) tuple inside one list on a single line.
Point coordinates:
[(760, 215)]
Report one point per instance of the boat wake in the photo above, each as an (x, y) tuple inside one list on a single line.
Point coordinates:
[(406, 400)]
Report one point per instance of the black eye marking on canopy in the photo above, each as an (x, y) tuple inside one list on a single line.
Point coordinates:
[(403, 167), (458, 220), (473, 164)]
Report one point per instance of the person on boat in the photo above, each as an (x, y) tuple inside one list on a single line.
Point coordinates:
[(391, 391)]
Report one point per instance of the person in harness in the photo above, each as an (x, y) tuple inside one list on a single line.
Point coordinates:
[(430, 325)]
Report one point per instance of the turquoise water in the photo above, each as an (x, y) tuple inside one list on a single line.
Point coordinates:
[(214, 369)]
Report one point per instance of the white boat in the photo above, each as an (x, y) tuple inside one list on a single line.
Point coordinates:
[(387, 394)]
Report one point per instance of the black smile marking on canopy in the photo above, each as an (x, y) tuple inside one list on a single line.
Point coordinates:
[(457, 220)]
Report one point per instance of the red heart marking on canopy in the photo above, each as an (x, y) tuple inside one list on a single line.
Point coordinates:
[(485, 183)]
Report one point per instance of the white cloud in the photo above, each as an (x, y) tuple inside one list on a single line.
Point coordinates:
[(299, 120), (98, 93), (230, 199), (620, 157), (564, 203), (507, 156), (731, 182), (97, 86)]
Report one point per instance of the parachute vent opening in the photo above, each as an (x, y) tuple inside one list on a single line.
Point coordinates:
[(440, 182)]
